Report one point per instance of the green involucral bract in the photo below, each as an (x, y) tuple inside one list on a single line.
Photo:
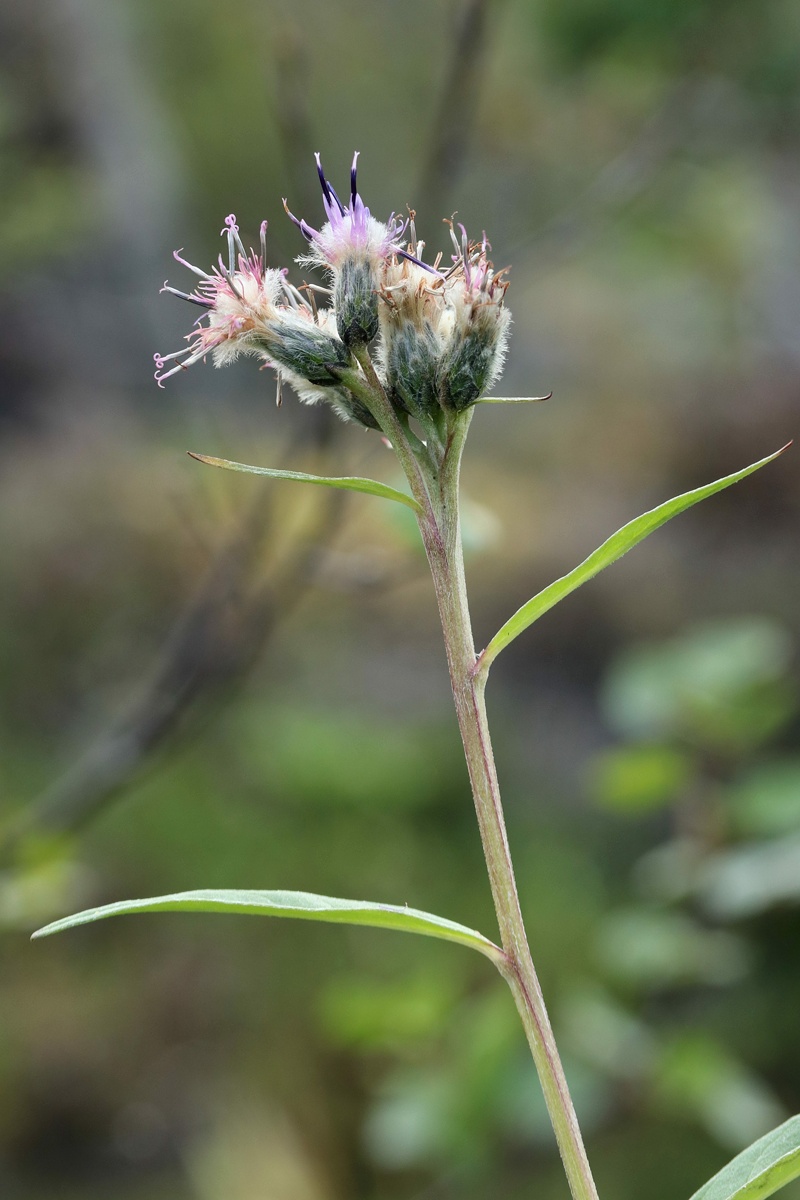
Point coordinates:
[(356, 302)]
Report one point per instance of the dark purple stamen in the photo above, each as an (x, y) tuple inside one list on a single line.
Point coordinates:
[(186, 296), (308, 233), (412, 258), (353, 183), (321, 173), (336, 199), (290, 214), (327, 190)]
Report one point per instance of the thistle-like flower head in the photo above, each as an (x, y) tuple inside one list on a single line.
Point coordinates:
[(350, 231), (241, 299), (411, 293), (439, 332), (354, 248), (253, 309), (414, 322)]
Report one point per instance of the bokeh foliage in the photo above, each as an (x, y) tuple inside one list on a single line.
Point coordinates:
[(638, 165)]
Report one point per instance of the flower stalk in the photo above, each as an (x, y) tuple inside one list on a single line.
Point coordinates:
[(440, 528)]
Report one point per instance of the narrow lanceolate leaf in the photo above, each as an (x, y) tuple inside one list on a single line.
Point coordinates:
[(761, 1169), (302, 905), (513, 399), (348, 482), (618, 544)]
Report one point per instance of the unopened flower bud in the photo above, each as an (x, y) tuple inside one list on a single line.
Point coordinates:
[(476, 349), (356, 302), (413, 320), (353, 245), (309, 356), (296, 343)]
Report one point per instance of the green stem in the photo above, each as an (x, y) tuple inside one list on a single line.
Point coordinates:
[(445, 556), (367, 387), (437, 491)]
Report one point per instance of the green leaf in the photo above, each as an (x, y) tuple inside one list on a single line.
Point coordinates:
[(721, 684), (766, 800), (513, 399), (761, 1169), (302, 905), (618, 544), (639, 779), (348, 482)]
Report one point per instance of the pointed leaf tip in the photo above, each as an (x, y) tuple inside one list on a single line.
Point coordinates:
[(514, 399), (302, 905), (612, 549), (350, 483)]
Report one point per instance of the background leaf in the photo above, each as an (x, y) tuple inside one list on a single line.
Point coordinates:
[(302, 905)]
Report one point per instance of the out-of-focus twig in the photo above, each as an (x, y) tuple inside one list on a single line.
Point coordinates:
[(627, 176), (209, 652), (454, 116), (293, 117), (226, 626), (124, 138)]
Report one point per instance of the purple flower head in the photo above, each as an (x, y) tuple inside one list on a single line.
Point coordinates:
[(249, 308), (241, 299), (350, 231)]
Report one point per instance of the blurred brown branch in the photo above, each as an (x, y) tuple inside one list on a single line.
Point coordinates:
[(629, 174), (452, 127), (293, 118), (212, 647)]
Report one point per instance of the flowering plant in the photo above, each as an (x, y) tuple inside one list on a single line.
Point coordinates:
[(410, 348)]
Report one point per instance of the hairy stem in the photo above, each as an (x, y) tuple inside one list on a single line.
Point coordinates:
[(447, 567), (367, 387), (435, 485)]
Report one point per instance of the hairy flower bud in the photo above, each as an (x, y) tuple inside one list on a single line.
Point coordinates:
[(307, 355), (353, 246), (443, 334), (356, 302), (413, 321), (473, 358)]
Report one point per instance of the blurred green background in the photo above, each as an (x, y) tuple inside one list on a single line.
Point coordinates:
[(210, 682)]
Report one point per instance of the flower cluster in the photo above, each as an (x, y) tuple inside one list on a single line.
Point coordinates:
[(439, 332)]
